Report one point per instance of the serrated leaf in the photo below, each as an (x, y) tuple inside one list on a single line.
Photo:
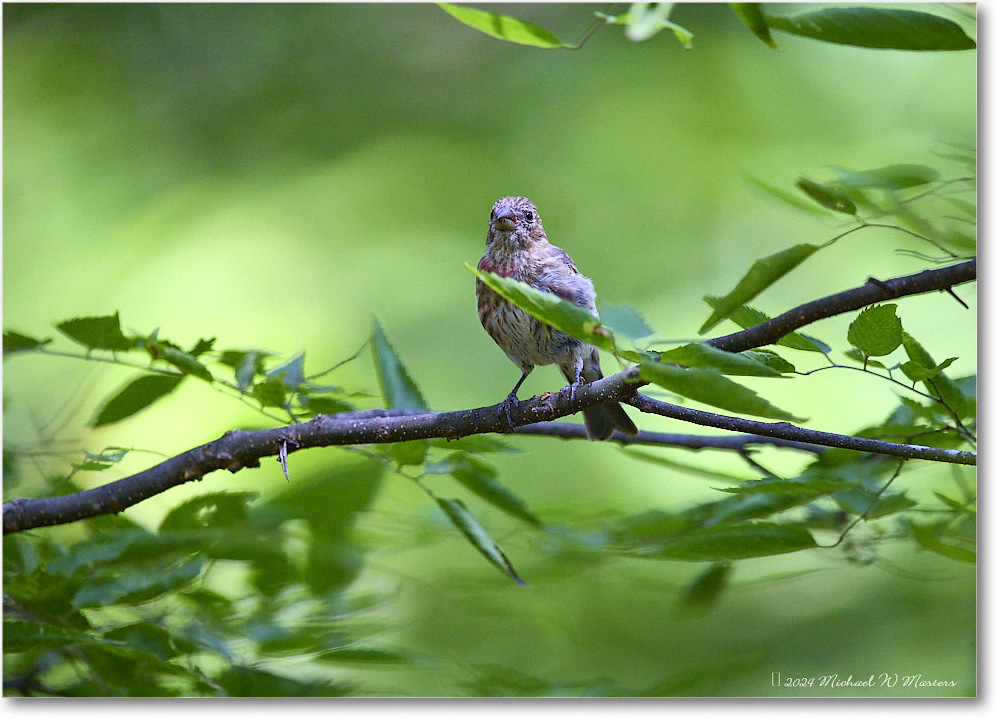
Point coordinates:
[(398, 388), (13, 341), (747, 316), (941, 384), (465, 522), (625, 320), (876, 331), (701, 355), (753, 17), (551, 309), (187, 363), (888, 177), (762, 274), (875, 28), (708, 386), (100, 332), (480, 478), (134, 397), (504, 27), (916, 372), (827, 195), (736, 541), (806, 486), (204, 345)]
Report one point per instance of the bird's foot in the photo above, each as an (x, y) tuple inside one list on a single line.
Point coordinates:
[(507, 407)]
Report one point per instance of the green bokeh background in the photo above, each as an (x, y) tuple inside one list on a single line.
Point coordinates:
[(275, 175)]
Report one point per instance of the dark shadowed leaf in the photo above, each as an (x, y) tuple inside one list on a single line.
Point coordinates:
[(876, 28), (747, 316), (398, 388), (753, 17), (13, 341), (889, 177), (761, 275), (465, 522), (213, 510), (708, 386), (187, 363), (876, 331), (239, 681), (134, 396), (21, 636), (101, 332), (135, 587), (707, 587), (504, 27), (928, 536)]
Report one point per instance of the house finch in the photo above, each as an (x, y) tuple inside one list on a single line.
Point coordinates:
[(516, 247)]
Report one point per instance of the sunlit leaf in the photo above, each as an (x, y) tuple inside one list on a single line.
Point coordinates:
[(100, 332), (465, 522), (504, 27), (876, 28), (762, 274), (916, 372), (708, 386), (940, 383), (770, 359), (551, 309), (135, 396), (701, 355), (876, 331), (747, 316)]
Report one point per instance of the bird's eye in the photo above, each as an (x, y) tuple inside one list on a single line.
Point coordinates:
[(529, 216)]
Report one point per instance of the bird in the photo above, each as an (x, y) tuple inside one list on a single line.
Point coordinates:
[(517, 247)]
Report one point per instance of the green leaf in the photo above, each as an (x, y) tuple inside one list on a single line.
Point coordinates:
[(827, 196), (551, 309), (187, 363), (134, 396), (245, 363), (270, 393), (13, 341), (398, 388), (239, 681), (787, 197), (926, 536), (480, 478), (876, 28), (327, 406), (916, 372), (856, 355), (625, 320), (876, 331), (743, 540), (806, 486), (753, 17), (212, 510), (701, 355), (644, 20), (35, 637), (708, 586), (708, 386), (747, 316), (291, 373), (361, 655), (136, 587), (465, 522), (504, 27), (763, 273), (889, 177), (939, 384), (102, 332), (770, 359)]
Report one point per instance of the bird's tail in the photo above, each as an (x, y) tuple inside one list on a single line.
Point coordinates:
[(604, 419)]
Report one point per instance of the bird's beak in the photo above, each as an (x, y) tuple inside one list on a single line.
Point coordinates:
[(505, 219)]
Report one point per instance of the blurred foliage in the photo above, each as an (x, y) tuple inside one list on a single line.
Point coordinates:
[(274, 174)]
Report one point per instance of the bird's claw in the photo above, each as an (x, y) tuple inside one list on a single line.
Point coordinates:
[(507, 407)]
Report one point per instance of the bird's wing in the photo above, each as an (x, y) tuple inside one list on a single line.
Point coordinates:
[(562, 278)]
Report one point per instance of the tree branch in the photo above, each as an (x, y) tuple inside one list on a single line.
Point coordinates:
[(244, 449)]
